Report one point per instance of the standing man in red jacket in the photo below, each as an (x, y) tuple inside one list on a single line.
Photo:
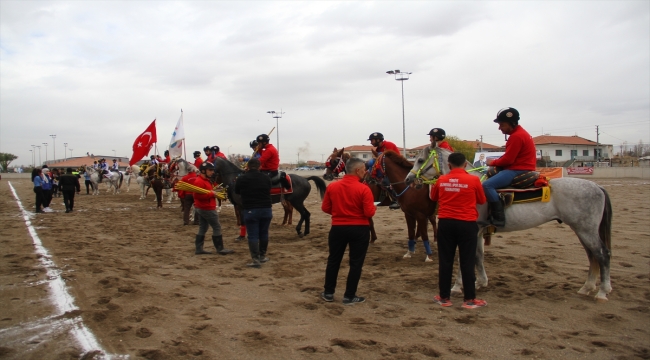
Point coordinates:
[(205, 206), (350, 203), (520, 157), (457, 194)]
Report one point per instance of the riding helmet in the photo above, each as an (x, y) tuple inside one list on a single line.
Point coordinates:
[(253, 144), (438, 132), (376, 135), (509, 115), (114, 160), (262, 138), (207, 148), (215, 148), (206, 166), (166, 152), (152, 157), (197, 153)]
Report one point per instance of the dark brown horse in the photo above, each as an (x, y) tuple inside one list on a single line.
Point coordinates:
[(335, 164), (415, 203), (156, 182)]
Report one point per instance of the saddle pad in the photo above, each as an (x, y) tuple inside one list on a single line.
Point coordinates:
[(518, 196), (277, 189)]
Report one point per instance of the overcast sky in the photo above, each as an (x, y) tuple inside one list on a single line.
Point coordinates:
[(97, 73)]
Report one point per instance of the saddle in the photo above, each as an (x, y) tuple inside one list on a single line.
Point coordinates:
[(526, 187), (281, 184)]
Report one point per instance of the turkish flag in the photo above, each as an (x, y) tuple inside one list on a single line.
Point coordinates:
[(143, 143)]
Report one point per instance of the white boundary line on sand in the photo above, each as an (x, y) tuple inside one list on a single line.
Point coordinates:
[(59, 294)]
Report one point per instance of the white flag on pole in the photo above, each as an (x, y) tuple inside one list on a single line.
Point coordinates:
[(176, 144)]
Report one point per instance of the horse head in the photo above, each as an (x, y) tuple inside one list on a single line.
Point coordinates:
[(335, 163), (429, 164)]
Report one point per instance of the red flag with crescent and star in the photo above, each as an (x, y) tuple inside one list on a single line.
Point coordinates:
[(143, 143)]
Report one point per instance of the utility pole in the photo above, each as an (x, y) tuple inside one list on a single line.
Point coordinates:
[(54, 145), (481, 144), (597, 156)]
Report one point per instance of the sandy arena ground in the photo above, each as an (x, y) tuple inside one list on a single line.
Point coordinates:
[(144, 294)]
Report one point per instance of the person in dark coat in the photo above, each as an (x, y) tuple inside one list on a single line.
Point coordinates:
[(255, 190), (69, 184)]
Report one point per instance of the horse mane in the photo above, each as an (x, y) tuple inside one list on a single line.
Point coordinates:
[(398, 159)]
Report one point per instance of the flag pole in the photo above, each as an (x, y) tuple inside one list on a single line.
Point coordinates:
[(184, 149)]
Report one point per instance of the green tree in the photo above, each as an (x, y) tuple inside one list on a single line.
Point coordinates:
[(462, 147), (5, 160)]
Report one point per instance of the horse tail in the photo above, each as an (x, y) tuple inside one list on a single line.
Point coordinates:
[(320, 184), (121, 179), (605, 228)]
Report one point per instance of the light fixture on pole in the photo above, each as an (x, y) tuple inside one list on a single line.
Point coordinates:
[(277, 115), (53, 145), (114, 153), (65, 151), (45, 151), (401, 76), (39, 155), (70, 153)]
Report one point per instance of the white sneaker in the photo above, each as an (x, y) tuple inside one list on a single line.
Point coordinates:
[(47, 209)]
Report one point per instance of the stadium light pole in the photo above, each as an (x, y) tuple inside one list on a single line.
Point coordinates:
[(32, 151), (45, 151), (39, 155), (34, 155), (65, 151), (53, 145), (277, 115), (401, 76), (70, 153), (114, 153)]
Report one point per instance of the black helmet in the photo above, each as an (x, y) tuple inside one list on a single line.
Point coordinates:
[(376, 135), (152, 157), (215, 148), (166, 152), (206, 166), (438, 132), (253, 144), (114, 160), (207, 148), (262, 138), (509, 115), (197, 153)]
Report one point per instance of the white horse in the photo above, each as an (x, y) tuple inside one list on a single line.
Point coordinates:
[(140, 180), (581, 204), (127, 179), (113, 181)]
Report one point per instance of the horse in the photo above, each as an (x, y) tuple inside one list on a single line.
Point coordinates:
[(148, 177), (301, 188), (114, 180), (335, 164), (581, 204), (418, 210)]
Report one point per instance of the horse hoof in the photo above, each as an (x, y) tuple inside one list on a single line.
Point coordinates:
[(301, 235), (585, 290), (456, 291), (408, 255)]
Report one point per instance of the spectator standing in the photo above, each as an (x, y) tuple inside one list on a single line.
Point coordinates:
[(47, 188), (350, 203), (89, 184), (457, 194), (55, 183), (38, 188), (68, 185), (187, 199), (255, 190), (206, 208)]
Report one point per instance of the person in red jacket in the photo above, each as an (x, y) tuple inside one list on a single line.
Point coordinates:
[(197, 159), (520, 157), (437, 137), (350, 203), (457, 194), (269, 156), (205, 206), (377, 140)]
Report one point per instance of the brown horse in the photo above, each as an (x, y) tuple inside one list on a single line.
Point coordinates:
[(335, 164), (156, 182), (418, 209)]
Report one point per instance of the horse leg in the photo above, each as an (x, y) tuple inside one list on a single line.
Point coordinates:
[(158, 191), (422, 224), (599, 262), (240, 223), (373, 233), (481, 276), (410, 224), (304, 217), (432, 220), (590, 284), (168, 192)]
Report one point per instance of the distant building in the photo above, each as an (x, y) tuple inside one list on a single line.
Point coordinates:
[(76, 162), (565, 148)]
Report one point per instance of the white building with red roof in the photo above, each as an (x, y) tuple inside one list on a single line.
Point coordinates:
[(564, 148)]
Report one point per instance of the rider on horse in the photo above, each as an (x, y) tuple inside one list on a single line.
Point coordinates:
[(103, 169), (115, 166), (377, 140), (269, 157), (520, 157), (437, 137), (197, 159), (166, 160)]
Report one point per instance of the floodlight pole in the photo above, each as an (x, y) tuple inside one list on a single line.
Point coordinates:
[(276, 115), (401, 76), (53, 145), (65, 151), (45, 151)]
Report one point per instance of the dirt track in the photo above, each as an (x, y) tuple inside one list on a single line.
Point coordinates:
[(142, 291)]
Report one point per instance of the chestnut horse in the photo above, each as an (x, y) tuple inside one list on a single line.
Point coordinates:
[(335, 164), (418, 209)]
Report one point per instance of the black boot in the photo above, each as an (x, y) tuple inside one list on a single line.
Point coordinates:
[(218, 243), (198, 241), (263, 246), (254, 248), (498, 214), (394, 206)]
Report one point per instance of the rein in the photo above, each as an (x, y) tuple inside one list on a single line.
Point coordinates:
[(436, 165)]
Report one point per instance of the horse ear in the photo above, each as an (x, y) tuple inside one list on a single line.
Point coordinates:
[(335, 150)]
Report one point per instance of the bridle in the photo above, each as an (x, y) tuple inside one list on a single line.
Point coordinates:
[(421, 179)]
